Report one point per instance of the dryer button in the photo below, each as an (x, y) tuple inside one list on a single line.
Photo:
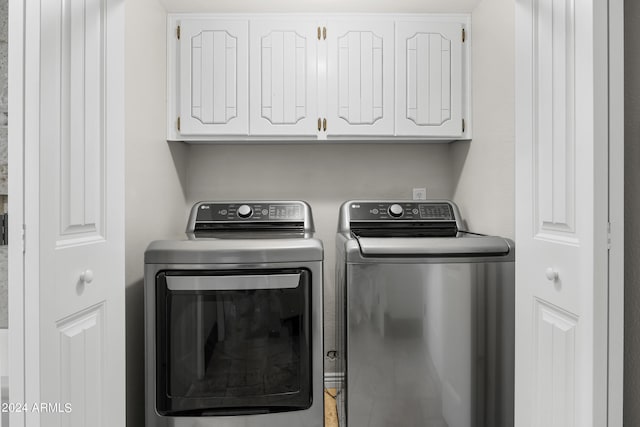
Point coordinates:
[(245, 211), (396, 210)]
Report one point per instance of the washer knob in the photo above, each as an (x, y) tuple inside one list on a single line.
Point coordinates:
[(245, 211), (396, 210)]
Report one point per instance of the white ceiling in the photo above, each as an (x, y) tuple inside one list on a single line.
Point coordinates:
[(322, 6)]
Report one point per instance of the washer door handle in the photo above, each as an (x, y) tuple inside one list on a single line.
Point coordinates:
[(228, 283)]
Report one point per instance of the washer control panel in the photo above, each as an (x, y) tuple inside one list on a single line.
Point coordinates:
[(401, 210), (250, 211)]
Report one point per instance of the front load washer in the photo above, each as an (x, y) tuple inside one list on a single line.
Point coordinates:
[(425, 318), (233, 319)]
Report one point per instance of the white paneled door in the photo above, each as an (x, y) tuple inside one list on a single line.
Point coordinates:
[(74, 202), (284, 77), (563, 208), (360, 77)]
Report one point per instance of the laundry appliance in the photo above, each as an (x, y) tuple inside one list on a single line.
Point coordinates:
[(425, 318), (233, 319)]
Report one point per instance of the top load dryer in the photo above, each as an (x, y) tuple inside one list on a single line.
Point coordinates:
[(233, 319), (425, 315)]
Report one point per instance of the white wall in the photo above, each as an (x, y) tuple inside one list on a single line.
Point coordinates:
[(631, 221), (483, 170), (164, 180), (155, 203)]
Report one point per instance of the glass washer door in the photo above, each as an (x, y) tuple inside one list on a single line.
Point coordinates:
[(233, 342)]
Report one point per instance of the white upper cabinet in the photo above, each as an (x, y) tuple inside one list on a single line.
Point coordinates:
[(429, 79), (360, 65), (213, 77), (284, 77)]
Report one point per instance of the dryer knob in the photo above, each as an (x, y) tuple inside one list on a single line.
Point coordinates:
[(396, 210), (244, 211)]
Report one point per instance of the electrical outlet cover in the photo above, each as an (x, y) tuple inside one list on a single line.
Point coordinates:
[(419, 194)]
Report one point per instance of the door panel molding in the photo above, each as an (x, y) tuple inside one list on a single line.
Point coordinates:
[(82, 345), (214, 68), (428, 99), (360, 77), (554, 120), (82, 35), (284, 77), (555, 367)]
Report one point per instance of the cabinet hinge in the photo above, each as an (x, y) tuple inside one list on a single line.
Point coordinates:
[(178, 123), (178, 32), (608, 235), (324, 33), (464, 35), (463, 127)]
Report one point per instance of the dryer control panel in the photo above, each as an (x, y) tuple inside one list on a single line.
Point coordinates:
[(256, 211), (401, 218), (230, 217), (418, 211)]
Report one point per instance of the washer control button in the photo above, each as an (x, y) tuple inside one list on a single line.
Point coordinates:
[(244, 211), (396, 210)]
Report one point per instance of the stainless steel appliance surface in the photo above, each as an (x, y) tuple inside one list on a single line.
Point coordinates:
[(425, 318), (233, 319)]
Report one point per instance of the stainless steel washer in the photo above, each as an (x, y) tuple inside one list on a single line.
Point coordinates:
[(233, 319), (425, 318)]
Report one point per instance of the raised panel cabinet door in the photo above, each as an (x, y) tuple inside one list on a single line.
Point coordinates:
[(213, 77), (360, 75), (284, 74), (429, 79)]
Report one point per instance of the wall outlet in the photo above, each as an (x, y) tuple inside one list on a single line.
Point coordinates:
[(419, 194)]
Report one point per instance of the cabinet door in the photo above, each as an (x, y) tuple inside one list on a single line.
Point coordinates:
[(429, 80), (360, 64), (284, 77), (213, 77)]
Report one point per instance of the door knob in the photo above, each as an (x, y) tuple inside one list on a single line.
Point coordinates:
[(86, 276), (551, 274)]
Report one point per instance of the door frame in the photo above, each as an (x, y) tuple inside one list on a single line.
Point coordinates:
[(615, 378), (17, 195)]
